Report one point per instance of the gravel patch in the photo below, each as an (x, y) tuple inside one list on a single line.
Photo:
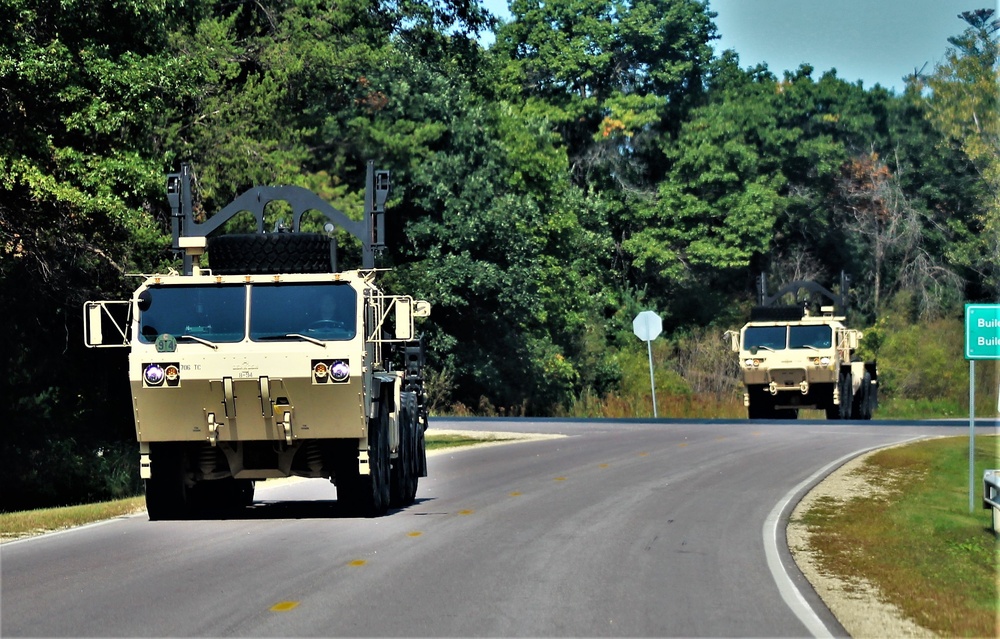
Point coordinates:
[(858, 605)]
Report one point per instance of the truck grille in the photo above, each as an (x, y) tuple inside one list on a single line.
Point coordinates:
[(788, 377)]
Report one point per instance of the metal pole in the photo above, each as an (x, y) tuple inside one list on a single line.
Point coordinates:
[(972, 428), (652, 384)]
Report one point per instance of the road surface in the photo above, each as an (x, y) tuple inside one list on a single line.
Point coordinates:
[(632, 528)]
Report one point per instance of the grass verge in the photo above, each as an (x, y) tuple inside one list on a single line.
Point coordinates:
[(35, 522), (914, 538)]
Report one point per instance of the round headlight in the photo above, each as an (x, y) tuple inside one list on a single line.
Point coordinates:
[(153, 375), (340, 371), (171, 373), (824, 361), (320, 370), (748, 362)]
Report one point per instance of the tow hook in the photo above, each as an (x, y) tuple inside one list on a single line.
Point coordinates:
[(213, 429), (286, 423)]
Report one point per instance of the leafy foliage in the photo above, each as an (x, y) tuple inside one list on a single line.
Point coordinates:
[(596, 161)]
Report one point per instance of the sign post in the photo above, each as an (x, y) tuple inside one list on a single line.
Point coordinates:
[(647, 326), (982, 341)]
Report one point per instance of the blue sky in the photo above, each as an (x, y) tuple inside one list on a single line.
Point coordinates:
[(875, 41)]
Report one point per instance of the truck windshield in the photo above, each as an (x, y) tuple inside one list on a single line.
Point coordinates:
[(806, 336), (215, 312), (324, 311), (772, 337)]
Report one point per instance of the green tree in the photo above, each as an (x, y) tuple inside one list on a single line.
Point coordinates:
[(965, 106), (611, 76), (81, 96)]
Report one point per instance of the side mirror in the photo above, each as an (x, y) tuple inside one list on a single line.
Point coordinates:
[(404, 319), (853, 337), (95, 336), (733, 337)]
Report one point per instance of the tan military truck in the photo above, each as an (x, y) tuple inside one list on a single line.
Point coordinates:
[(792, 358), (271, 362)]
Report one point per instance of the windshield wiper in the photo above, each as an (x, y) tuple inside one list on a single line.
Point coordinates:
[(293, 335), (809, 346), (761, 347), (200, 341)]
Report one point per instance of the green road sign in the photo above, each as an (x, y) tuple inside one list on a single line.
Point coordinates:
[(982, 331)]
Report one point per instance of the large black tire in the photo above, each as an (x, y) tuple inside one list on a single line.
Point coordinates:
[(846, 395), (404, 477), (761, 404), (367, 495), (167, 496), (269, 253), (863, 400)]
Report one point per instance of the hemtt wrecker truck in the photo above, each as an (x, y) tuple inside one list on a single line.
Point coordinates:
[(271, 362), (791, 358)]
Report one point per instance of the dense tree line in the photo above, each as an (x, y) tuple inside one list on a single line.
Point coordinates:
[(596, 160)]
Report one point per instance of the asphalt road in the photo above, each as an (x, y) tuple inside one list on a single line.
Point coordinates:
[(615, 529)]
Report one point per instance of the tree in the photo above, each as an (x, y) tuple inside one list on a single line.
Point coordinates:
[(610, 75), (965, 106)]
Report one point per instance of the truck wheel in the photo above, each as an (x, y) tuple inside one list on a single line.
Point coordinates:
[(266, 253), (862, 401), (403, 481), (367, 495), (761, 404), (166, 493), (375, 487), (846, 395)]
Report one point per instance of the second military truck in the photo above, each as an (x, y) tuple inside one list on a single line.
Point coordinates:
[(271, 362), (791, 358)]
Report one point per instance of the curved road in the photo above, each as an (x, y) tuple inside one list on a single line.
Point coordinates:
[(658, 528)]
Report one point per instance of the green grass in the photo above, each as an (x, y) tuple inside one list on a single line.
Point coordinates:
[(34, 522), (916, 540)]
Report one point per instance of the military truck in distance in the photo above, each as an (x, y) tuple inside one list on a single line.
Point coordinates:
[(271, 362), (791, 358)]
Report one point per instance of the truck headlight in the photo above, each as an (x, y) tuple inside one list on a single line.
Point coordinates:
[(340, 371), (321, 370), (153, 374), (171, 373)]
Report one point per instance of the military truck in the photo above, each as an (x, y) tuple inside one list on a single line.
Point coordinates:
[(792, 357), (271, 362)]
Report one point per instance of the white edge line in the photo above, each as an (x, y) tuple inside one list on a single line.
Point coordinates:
[(789, 592), (63, 531)]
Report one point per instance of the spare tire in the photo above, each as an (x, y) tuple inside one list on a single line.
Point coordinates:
[(270, 253)]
